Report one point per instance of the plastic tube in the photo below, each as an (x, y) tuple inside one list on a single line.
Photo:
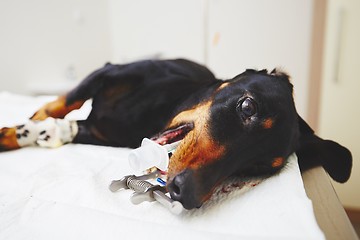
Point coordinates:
[(150, 154)]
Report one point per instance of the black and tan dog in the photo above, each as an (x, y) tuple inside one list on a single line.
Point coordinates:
[(244, 126)]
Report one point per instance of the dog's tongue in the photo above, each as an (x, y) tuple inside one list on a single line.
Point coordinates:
[(173, 135)]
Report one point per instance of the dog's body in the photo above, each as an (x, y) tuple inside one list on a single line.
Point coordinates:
[(245, 126)]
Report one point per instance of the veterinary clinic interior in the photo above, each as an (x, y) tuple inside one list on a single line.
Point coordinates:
[(48, 47)]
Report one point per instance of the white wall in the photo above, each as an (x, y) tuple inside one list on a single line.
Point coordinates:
[(227, 35), (340, 113), (157, 28), (262, 34), (46, 44)]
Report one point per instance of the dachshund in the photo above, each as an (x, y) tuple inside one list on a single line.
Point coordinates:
[(245, 126)]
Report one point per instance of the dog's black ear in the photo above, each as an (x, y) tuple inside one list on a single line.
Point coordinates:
[(314, 151)]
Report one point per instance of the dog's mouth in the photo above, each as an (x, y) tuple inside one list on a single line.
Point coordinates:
[(173, 134)]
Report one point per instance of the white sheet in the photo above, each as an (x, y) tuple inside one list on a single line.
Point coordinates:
[(63, 194)]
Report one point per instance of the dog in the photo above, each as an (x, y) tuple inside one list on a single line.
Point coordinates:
[(245, 126)]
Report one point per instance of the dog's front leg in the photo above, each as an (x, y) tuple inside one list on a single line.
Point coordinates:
[(48, 133)]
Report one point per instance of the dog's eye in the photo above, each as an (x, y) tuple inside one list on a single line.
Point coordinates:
[(247, 108)]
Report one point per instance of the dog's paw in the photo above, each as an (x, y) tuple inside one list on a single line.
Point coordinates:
[(8, 139)]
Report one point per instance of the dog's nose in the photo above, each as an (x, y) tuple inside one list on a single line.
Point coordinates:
[(182, 189), (176, 187)]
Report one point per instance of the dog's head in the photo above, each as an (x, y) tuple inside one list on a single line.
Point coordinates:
[(246, 126)]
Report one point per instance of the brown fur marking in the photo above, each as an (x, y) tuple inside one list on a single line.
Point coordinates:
[(268, 123), (56, 109), (277, 162), (8, 140)]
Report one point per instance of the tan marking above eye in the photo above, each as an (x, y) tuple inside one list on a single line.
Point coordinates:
[(268, 123), (223, 85)]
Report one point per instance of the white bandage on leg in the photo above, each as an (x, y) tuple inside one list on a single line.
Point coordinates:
[(56, 132), (48, 133), (27, 134)]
